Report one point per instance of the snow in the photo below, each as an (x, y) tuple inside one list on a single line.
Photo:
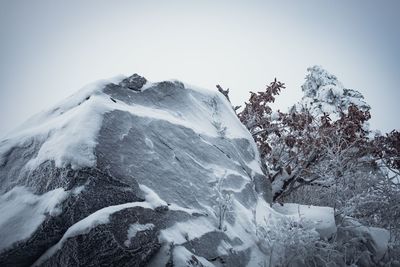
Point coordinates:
[(176, 207), (275, 116), (381, 239), (257, 258), (149, 143), (154, 201), (74, 136), (182, 232), (244, 227), (224, 248), (229, 117), (152, 198), (255, 166), (67, 104), (199, 89), (22, 212), (77, 190), (320, 218), (277, 185), (224, 113), (146, 86), (134, 229), (183, 258), (225, 173), (324, 93), (317, 77), (99, 217), (69, 131)]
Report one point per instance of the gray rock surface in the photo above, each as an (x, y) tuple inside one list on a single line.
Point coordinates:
[(134, 82)]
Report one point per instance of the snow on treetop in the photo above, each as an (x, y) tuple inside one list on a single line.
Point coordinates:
[(324, 93), (318, 78)]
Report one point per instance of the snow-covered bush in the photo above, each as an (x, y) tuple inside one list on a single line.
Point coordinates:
[(290, 242)]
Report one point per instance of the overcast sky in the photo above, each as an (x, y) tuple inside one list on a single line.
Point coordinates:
[(50, 49)]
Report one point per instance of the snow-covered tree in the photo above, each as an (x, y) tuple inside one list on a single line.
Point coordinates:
[(325, 94), (321, 152), (321, 140)]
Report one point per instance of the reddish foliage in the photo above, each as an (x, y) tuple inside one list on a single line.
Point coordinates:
[(293, 142), (387, 148)]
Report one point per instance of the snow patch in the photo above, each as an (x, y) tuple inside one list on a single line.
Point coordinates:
[(152, 198), (134, 229), (182, 232), (324, 93), (254, 165), (149, 143), (22, 212), (68, 131)]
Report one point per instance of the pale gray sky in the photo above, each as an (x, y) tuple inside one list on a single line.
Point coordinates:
[(50, 49)]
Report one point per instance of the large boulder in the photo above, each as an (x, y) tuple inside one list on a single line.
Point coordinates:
[(130, 173)]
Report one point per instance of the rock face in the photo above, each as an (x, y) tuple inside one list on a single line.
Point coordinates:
[(130, 173)]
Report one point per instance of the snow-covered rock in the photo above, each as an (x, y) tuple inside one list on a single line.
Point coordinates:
[(128, 173), (365, 245), (23, 212)]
